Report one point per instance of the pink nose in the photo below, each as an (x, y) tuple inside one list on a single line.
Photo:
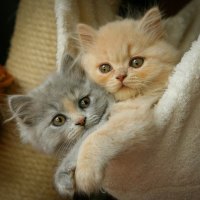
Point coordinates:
[(121, 77), (81, 121)]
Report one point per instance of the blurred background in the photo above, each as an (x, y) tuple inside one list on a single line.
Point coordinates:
[(8, 9)]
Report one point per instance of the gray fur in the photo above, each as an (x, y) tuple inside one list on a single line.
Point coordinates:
[(35, 111)]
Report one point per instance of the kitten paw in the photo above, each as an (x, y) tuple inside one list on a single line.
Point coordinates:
[(88, 178), (64, 181)]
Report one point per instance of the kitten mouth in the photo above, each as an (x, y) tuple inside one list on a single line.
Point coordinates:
[(123, 87)]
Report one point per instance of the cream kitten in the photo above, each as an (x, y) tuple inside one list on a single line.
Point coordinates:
[(132, 60), (129, 57)]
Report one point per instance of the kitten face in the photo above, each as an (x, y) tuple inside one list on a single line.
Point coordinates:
[(128, 57), (57, 113)]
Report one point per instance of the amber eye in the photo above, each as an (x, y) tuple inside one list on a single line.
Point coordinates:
[(136, 62), (59, 120), (84, 102), (105, 68)]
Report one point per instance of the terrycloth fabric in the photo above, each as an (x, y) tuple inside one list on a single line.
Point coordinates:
[(170, 168)]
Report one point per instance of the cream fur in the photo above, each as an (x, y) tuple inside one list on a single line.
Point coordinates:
[(169, 168), (132, 124), (116, 43)]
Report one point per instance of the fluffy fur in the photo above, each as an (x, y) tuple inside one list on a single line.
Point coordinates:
[(61, 95), (117, 43), (132, 121)]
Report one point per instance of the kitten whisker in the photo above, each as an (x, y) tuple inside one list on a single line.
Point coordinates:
[(73, 134), (14, 116), (64, 148), (59, 149)]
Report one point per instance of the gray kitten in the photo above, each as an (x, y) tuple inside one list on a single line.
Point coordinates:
[(58, 115)]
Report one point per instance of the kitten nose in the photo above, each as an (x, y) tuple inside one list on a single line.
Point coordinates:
[(81, 121), (121, 77)]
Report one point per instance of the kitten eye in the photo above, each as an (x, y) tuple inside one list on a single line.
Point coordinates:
[(136, 62), (59, 120), (84, 102), (105, 68)]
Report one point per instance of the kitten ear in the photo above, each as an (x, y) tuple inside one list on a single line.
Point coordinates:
[(67, 62), (151, 23), (71, 68), (87, 35), (22, 108)]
